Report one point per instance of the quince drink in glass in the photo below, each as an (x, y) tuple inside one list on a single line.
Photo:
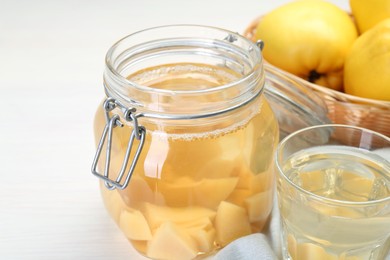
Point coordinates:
[(334, 193)]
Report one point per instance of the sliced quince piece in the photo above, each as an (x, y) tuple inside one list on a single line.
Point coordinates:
[(113, 202), (313, 181), (140, 245), (357, 188), (259, 206), (204, 239), (250, 184), (197, 224), (211, 192), (244, 178), (133, 223), (254, 182), (227, 142), (263, 181), (139, 190), (207, 192), (202, 231), (258, 227), (156, 215), (308, 251), (238, 196), (231, 222), (186, 161), (219, 168), (178, 193), (334, 211), (170, 243), (292, 246), (350, 186)]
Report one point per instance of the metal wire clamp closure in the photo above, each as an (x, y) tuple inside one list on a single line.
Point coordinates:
[(138, 133)]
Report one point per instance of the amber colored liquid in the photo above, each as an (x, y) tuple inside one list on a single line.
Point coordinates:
[(194, 192)]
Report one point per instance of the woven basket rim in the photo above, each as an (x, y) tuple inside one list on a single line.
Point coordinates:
[(328, 93)]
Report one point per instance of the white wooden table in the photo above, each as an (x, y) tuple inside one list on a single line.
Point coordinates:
[(51, 63)]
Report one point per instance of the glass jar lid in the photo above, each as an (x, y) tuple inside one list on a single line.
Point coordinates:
[(294, 105)]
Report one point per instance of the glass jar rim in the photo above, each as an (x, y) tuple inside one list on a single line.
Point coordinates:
[(184, 44), (110, 66)]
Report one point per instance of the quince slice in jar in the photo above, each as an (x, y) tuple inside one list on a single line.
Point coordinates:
[(139, 188), (220, 168), (238, 196), (249, 185), (254, 182), (202, 231), (170, 243), (179, 192), (205, 193), (204, 239), (259, 206), (212, 191), (133, 223), (157, 215), (113, 202), (231, 222)]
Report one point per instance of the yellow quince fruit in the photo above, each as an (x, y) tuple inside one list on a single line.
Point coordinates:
[(308, 38), (368, 13), (367, 66)]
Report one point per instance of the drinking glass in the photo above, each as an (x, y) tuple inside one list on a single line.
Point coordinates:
[(333, 184)]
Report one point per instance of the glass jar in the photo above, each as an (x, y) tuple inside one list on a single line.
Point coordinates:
[(188, 140)]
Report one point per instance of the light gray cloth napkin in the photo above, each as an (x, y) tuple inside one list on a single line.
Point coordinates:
[(256, 246)]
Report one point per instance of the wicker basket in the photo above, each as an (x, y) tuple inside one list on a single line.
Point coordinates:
[(344, 108)]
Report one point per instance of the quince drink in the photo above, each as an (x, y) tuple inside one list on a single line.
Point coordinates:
[(344, 209)]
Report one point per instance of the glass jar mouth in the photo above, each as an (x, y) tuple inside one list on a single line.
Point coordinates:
[(202, 47), (245, 48)]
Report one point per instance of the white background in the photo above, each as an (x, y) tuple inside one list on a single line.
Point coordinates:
[(51, 64)]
